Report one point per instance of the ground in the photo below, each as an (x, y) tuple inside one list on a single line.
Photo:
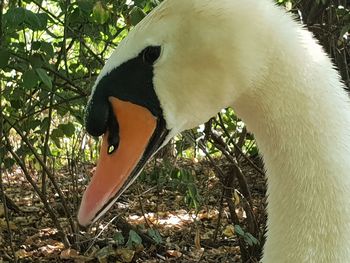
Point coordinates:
[(171, 214)]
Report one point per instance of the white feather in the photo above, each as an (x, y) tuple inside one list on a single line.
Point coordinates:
[(253, 56)]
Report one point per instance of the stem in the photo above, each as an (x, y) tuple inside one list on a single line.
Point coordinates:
[(2, 190), (42, 110), (41, 196), (46, 144), (71, 87), (49, 174)]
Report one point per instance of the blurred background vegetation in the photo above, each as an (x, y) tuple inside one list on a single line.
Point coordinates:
[(50, 55)]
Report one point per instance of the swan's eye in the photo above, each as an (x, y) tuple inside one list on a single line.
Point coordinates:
[(151, 54)]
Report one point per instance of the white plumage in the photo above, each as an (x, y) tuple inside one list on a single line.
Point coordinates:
[(253, 56)]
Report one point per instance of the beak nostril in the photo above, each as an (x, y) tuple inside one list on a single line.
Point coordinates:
[(111, 148), (113, 133)]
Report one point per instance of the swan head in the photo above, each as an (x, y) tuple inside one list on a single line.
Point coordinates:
[(173, 71)]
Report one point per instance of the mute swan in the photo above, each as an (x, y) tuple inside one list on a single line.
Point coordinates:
[(190, 58)]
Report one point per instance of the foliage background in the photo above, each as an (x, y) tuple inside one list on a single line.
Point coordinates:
[(50, 54)]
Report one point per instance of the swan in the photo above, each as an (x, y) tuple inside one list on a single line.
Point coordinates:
[(186, 61)]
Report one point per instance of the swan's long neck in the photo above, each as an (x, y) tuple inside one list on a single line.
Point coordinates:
[(300, 116), (307, 156)]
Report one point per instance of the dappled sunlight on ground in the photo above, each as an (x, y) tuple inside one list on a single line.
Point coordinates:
[(167, 220), (160, 211)]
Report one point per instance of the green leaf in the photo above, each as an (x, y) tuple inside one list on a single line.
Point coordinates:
[(68, 129), (140, 3), (248, 241), (136, 15), (56, 134), (36, 45), (85, 5), (62, 111), (45, 123), (239, 231), (35, 21), (17, 17), (252, 240), (23, 151), (33, 124), (103, 254), (16, 104), (14, 17), (4, 58), (47, 48), (344, 30), (8, 163), (32, 20), (119, 238), (43, 18), (134, 238), (99, 13), (36, 61), (74, 19), (154, 234), (44, 77), (30, 79)]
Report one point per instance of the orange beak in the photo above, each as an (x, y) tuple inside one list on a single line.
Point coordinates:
[(139, 139)]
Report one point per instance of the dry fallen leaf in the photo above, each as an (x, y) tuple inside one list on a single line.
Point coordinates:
[(73, 254), (69, 254), (208, 235), (3, 225), (22, 254), (28, 221), (197, 240), (125, 254), (2, 211), (103, 254), (229, 231), (237, 199), (174, 253), (31, 209), (196, 254)]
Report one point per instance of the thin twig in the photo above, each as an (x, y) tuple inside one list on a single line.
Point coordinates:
[(99, 234), (76, 89), (46, 144), (28, 115), (39, 193), (49, 174), (2, 190), (142, 208), (218, 222)]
